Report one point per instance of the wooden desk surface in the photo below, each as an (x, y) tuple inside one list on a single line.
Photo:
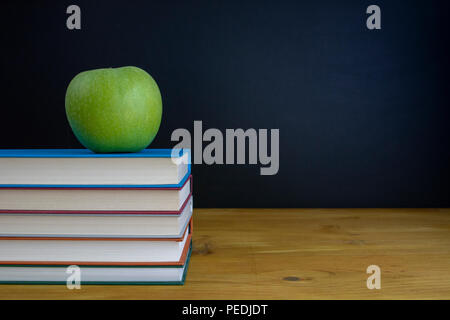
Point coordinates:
[(298, 254)]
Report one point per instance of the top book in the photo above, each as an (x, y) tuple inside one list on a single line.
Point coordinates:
[(77, 168)]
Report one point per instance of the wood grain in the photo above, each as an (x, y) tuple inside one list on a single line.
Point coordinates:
[(298, 254)]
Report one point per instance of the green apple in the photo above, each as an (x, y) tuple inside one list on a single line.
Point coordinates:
[(114, 109)]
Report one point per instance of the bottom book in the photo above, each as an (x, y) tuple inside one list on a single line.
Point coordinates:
[(96, 274)]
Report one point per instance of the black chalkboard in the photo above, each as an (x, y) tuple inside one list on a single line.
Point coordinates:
[(363, 114)]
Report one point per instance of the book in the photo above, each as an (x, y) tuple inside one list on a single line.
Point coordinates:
[(63, 168), (95, 251), (121, 218), (97, 274), (107, 224), (163, 200)]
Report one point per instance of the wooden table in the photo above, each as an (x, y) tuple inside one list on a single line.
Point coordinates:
[(298, 254)]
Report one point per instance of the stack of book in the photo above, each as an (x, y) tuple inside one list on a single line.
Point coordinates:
[(120, 218)]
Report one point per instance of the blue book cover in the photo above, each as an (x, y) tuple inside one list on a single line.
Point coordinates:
[(12, 175)]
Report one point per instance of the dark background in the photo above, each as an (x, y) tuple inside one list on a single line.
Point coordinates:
[(363, 115)]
